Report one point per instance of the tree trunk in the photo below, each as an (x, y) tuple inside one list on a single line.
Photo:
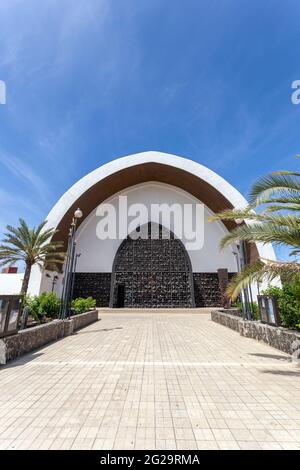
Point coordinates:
[(26, 279)]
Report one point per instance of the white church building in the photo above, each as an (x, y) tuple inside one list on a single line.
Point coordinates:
[(144, 238)]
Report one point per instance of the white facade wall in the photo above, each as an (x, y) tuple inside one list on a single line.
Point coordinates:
[(98, 255), (11, 283)]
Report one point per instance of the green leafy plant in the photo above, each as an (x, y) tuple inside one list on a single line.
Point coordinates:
[(253, 307), (81, 305), (238, 304), (255, 311), (45, 305), (273, 291), (288, 299)]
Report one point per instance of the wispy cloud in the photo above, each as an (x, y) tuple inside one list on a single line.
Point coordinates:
[(25, 173), (9, 199)]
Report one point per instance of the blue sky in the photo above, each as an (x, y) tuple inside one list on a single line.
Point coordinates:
[(92, 80)]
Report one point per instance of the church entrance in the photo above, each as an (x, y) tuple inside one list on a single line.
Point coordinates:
[(152, 272)]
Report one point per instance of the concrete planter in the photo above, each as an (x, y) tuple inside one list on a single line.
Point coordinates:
[(277, 337), (27, 340)]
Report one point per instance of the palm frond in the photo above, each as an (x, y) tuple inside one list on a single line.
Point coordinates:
[(234, 214), (294, 252), (282, 207), (291, 221), (10, 260), (260, 271), (279, 184), (264, 233), (286, 172), (30, 245)]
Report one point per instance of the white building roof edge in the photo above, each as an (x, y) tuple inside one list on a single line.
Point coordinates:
[(204, 173)]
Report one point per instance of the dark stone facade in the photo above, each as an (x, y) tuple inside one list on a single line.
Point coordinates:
[(154, 290), (206, 289), (96, 285), (223, 283)]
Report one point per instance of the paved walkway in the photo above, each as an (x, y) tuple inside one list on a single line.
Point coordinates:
[(151, 380)]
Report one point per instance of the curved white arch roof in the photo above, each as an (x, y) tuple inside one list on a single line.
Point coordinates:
[(78, 189)]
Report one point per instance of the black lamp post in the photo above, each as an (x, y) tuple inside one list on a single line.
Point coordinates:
[(54, 279), (241, 263), (69, 267), (244, 294), (247, 310), (77, 255)]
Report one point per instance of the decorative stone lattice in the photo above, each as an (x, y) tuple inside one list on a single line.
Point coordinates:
[(96, 285), (207, 289), (155, 272)]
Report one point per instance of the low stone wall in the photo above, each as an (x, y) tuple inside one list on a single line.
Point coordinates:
[(232, 321), (277, 337), (232, 311), (29, 339), (84, 319)]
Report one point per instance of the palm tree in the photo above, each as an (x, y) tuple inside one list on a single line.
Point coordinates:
[(32, 246), (277, 195)]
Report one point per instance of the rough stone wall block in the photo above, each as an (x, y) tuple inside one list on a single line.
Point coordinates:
[(30, 339), (277, 337)]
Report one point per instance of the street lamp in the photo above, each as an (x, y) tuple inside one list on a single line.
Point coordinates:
[(54, 279), (241, 263), (244, 295), (78, 213), (74, 273), (69, 267)]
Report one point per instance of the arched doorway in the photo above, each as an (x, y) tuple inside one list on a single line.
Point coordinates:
[(152, 272)]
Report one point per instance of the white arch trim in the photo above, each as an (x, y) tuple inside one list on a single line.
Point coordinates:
[(202, 172)]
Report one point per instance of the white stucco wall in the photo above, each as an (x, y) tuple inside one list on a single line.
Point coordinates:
[(98, 255), (10, 284)]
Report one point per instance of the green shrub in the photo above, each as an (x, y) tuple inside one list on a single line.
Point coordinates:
[(253, 307), (288, 299), (81, 305), (273, 291), (238, 305), (45, 305), (255, 311)]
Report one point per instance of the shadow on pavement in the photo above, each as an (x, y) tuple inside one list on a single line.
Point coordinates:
[(287, 373), (272, 356), (22, 360), (97, 331)]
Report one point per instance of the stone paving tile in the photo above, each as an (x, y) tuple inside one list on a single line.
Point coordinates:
[(144, 380), (228, 445)]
